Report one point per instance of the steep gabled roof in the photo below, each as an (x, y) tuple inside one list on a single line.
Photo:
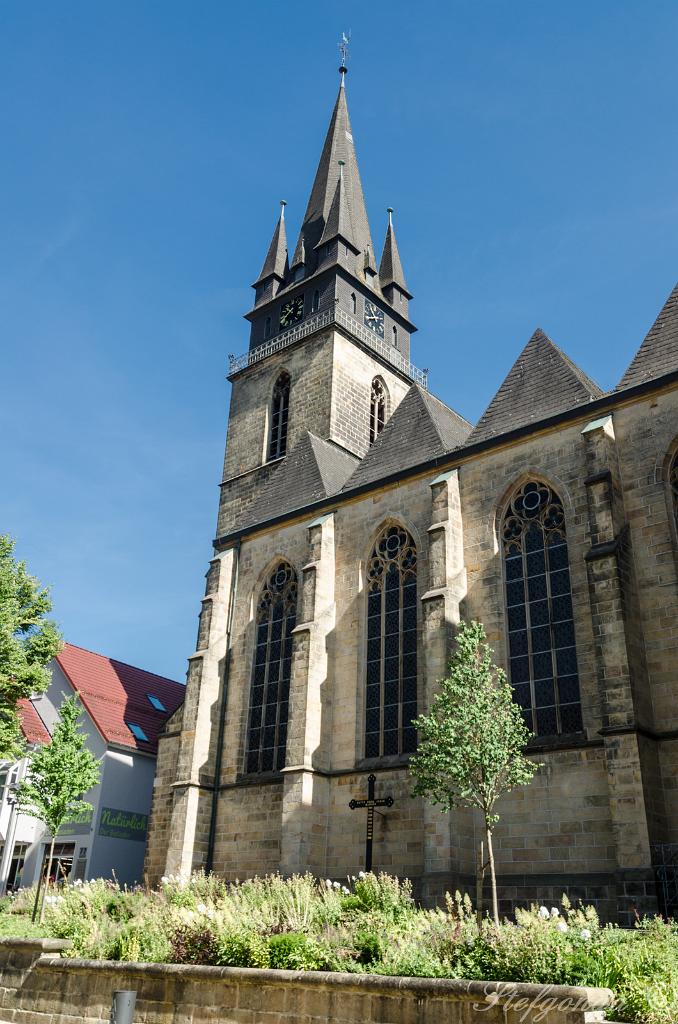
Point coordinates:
[(115, 694), (390, 268), (312, 470), (275, 264), (338, 146), (658, 353), (32, 725), (421, 428), (541, 383)]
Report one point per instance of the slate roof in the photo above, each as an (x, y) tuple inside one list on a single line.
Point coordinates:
[(312, 470), (390, 268), (658, 353), (339, 218), (541, 383), (338, 146), (276, 257), (115, 693), (421, 428), (32, 725)]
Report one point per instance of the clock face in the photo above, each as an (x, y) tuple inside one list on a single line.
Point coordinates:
[(292, 311), (374, 318)]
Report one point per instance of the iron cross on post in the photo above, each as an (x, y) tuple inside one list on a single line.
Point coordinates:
[(370, 804)]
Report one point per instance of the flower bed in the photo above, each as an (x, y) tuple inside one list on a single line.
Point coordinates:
[(370, 925)]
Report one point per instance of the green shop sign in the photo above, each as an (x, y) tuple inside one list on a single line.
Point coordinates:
[(78, 825), (122, 824)]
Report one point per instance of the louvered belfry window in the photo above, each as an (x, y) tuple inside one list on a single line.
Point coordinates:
[(280, 407), (391, 683), (542, 651), (269, 696), (377, 409)]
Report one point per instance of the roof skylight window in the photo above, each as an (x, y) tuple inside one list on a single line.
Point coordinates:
[(137, 731), (156, 702)]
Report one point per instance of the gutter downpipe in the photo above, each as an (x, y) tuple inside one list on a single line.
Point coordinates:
[(223, 695)]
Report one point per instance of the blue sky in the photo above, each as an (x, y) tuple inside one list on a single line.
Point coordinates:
[(529, 149)]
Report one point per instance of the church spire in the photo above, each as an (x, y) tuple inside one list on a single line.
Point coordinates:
[(391, 269), (275, 264), (338, 146), (338, 223)]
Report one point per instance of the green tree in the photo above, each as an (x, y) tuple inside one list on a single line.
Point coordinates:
[(59, 774), (471, 743), (28, 641)]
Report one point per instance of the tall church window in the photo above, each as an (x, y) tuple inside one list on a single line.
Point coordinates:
[(280, 407), (316, 301), (267, 327), (395, 335), (541, 640), (377, 409), (269, 694), (354, 302), (673, 484), (391, 677)]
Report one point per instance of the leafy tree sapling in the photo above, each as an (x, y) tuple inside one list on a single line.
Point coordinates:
[(471, 743), (60, 773)]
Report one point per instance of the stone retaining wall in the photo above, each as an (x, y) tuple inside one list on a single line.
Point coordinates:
[(37, 986)]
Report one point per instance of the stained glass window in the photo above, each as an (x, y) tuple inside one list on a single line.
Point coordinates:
[(377, 409), (391, 675), (542, 650), (280, 406), (269, 695)]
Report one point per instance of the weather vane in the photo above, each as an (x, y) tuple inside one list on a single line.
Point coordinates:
[(343, 50)]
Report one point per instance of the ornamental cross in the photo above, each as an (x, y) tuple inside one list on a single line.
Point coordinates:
[(343, 49), (370, 804)]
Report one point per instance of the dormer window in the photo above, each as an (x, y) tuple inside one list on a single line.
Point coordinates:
[(156, 702), (298, 273), (137, 731)]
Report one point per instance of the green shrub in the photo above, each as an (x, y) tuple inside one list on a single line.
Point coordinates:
[(243, 949), (296, 952)]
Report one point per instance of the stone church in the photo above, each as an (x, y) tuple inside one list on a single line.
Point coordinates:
[(360, 518)]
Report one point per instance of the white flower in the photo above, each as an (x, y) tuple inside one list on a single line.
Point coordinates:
[(328, 883), (585, 933), (345, 890), (543, 913), (353, 878), (336, 885), (554, 912), (561, 926), (361, 874), (201, 908), (165, 880)]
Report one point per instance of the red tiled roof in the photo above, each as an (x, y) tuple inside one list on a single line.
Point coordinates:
[(32, 725), (116, 694)]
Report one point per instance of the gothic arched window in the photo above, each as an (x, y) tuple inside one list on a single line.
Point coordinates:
[(276, 617), (377, 409), (354, 303), (542, 651), (391, 681), (280, 407), (673, 484)]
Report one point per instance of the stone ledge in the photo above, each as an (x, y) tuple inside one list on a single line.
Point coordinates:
[(36, 945)]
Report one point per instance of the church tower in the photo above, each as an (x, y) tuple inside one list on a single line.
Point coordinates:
[(330, 330)]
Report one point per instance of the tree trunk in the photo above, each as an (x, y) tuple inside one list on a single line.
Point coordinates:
[(480, 879), (493, 877), (49, 872)]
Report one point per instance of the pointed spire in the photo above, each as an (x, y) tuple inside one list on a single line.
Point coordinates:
[(390, 268), (338, 146), (338, 223), (275, 264)]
